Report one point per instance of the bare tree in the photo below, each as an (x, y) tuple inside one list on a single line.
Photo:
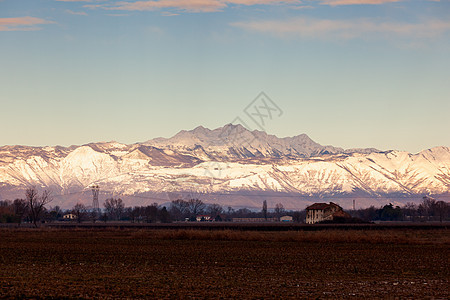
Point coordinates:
[(279, 209), (114, 208), (433, 209), (410, 210), (55, 213), (179, 209), (214, 210), (36, 204), (136, 213), (80, 211), (195, 206), (20, 209), (442, 210)]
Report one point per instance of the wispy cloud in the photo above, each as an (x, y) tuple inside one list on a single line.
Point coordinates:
[(185, 5), (118, 15), (77, 13), (169, 14), (345, 29), (22, 23), (356, 2)]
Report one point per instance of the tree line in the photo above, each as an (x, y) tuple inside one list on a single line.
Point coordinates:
[(32, 209), (429, 209)]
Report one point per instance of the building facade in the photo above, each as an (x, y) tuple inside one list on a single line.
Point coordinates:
[(319, 212)]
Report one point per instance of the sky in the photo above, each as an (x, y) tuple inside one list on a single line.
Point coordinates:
[(349, 73)]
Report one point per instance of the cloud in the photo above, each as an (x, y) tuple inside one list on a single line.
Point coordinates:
[(356, 2), (214, 5), (168, 14), (118, 15), (185, 5), (22, 23), (263, 2), (345, 29), (77, 13)]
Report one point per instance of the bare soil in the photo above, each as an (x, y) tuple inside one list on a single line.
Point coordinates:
[(55, 263)]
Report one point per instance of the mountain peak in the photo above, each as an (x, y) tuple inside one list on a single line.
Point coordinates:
[(237, 140)]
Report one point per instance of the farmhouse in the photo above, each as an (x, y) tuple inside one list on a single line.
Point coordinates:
[(319, 212), (203, 218), (69, 217)]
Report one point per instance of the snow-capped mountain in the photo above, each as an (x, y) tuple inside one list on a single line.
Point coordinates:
[(236, 142), (229, 165)]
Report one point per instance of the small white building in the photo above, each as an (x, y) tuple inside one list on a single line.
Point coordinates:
[(286, 219), (69, 217), (203, 218)]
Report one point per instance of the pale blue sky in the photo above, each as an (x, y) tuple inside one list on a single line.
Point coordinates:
[(350, 75)]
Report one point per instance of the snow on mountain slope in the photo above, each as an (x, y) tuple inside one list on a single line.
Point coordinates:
[(236, 142), (84, 165), (211, 161)]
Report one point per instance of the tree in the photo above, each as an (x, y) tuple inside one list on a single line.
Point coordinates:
[(367, 214), (20, 209), (134, 213), (55, 213), (114, 208), (410, 210), (179, 209), (6, 211), (390, 213), (36, 204), (299, 216), (95, 214), (80, 211), (264, 209), (433, 209), (195, 206), (104, 217), (164, 216), (442, 210), (279, 209), (214, 209), (151, 213)]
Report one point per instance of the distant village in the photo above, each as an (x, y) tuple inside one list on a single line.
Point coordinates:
[(35, 208)]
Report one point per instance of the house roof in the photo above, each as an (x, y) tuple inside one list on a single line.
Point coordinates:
[(318, 206), (342, 214)]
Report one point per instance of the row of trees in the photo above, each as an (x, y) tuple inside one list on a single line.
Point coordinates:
[(181, 210), (115, 210), (33, 209), (428, 210)]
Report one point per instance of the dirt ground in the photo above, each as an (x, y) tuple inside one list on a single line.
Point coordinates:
[(150, 264)]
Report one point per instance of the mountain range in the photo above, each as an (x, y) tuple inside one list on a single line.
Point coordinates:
[(229, 165)]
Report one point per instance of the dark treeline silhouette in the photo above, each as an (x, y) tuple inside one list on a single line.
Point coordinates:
[(33, 210), (428, 210)]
